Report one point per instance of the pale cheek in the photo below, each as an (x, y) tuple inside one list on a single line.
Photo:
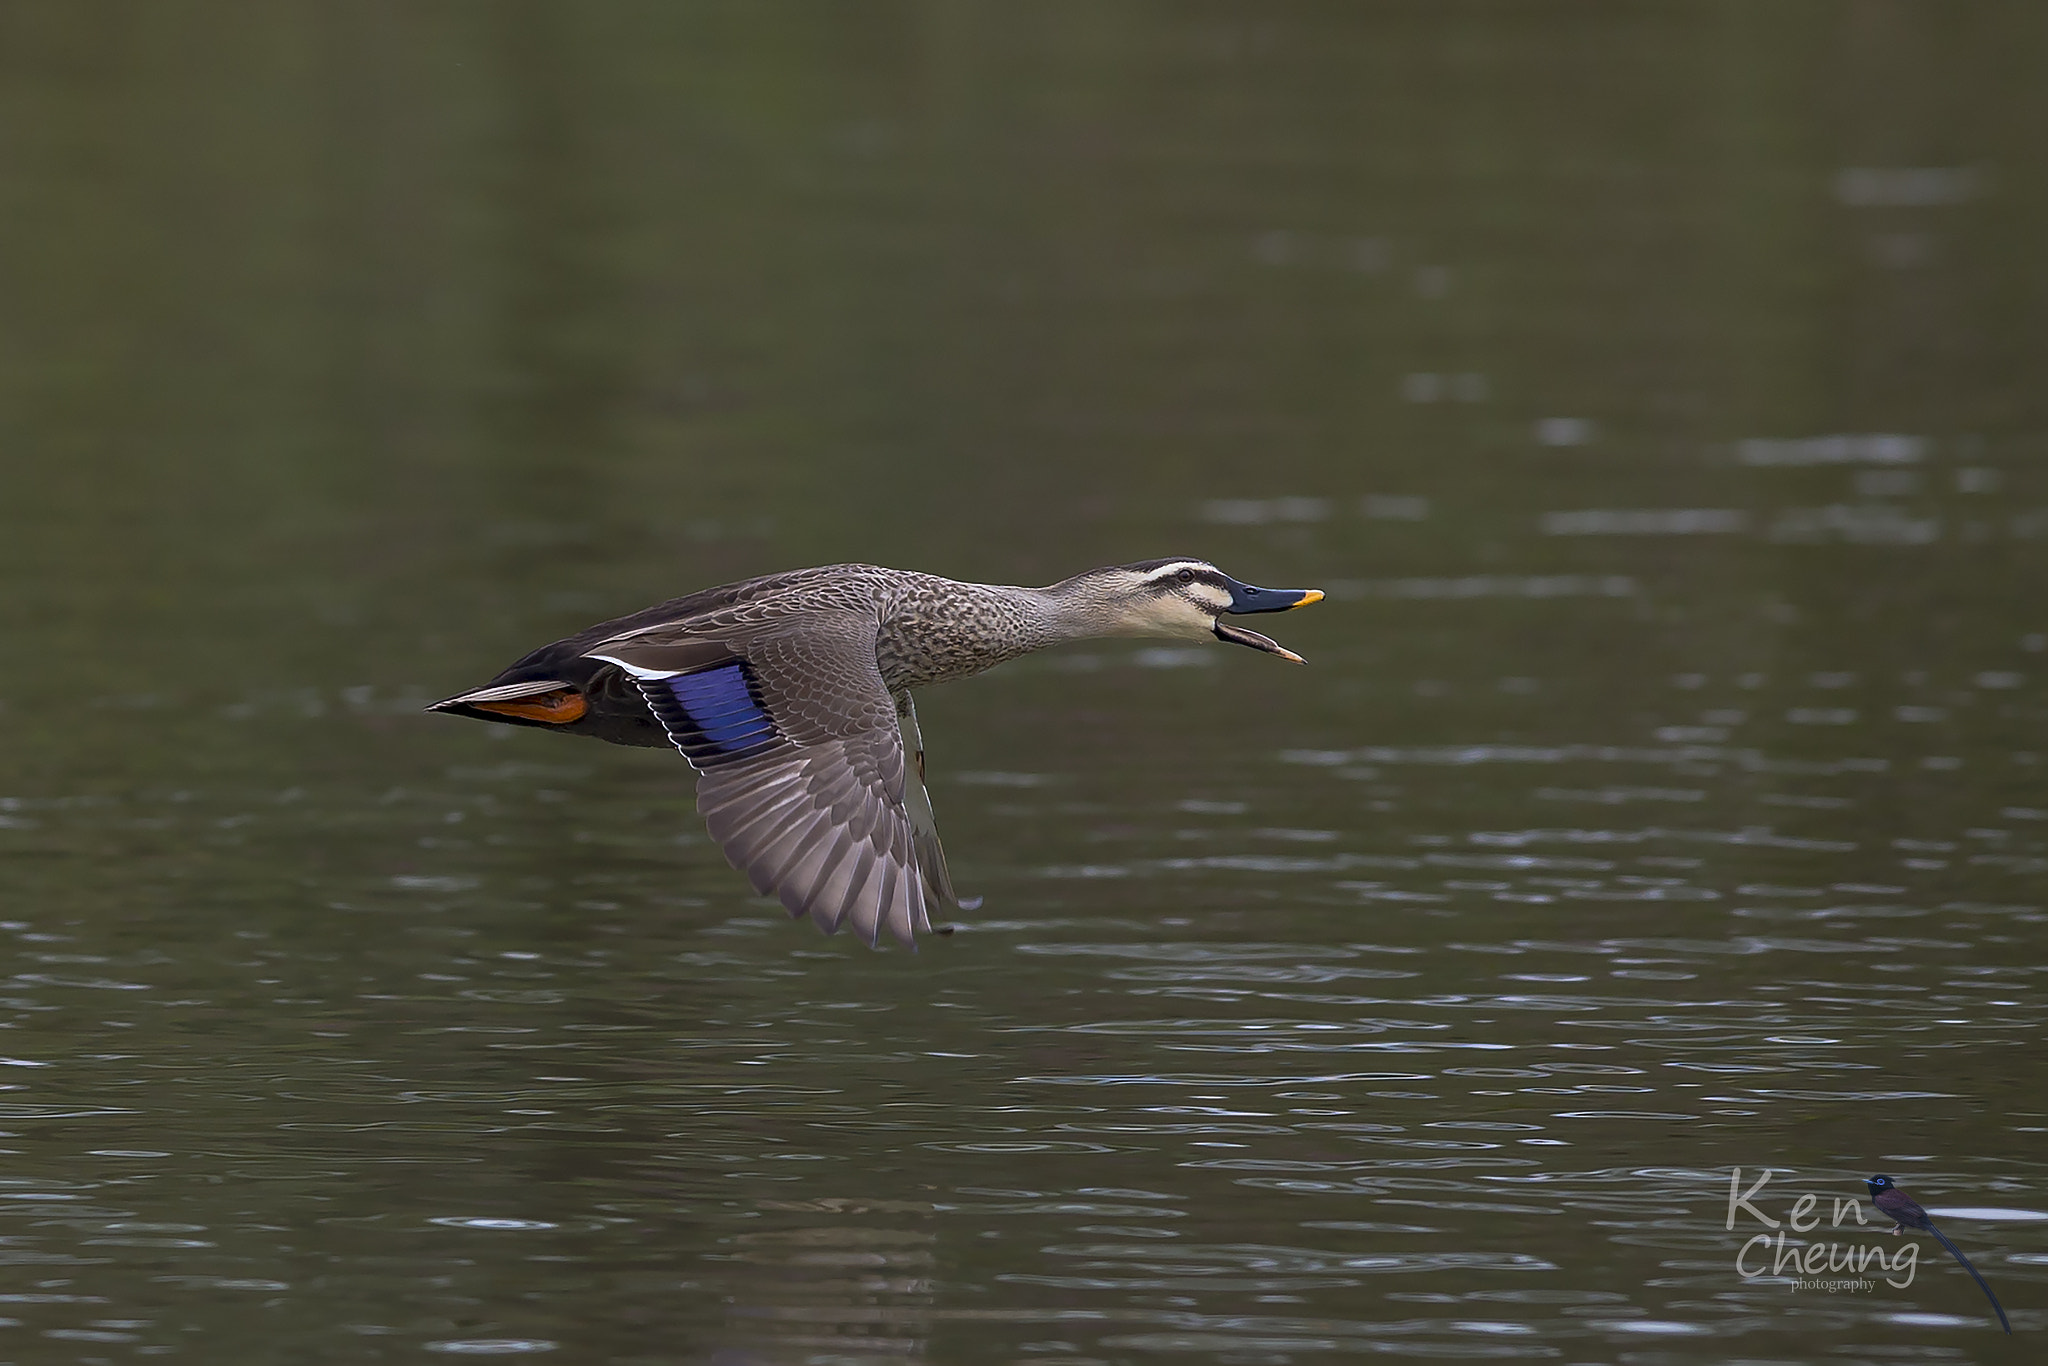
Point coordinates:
[(1181, 621)]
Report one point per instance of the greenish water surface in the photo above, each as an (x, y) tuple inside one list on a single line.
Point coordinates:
[(1655, 390)]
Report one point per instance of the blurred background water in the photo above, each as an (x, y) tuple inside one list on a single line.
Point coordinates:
[(1656, 390)]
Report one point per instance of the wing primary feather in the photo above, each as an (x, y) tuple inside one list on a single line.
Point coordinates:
[(896, 911), (733, 822), (869, 914), (750, 793), (803, 883), (743, 848), (778, 855), (920, 913), (768, 849), (909, 908), (828, 903), (830, 918)]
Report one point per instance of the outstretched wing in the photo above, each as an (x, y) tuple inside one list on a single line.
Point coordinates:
[(802, 768)]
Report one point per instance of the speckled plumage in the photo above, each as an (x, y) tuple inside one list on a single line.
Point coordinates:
[(790, 696)]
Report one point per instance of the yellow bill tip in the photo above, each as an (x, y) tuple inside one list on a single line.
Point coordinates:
[(1308, 596)]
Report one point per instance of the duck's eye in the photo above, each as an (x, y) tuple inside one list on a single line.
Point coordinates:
[(1187, 576)]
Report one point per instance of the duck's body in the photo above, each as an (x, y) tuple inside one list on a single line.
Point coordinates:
[(790, 696)]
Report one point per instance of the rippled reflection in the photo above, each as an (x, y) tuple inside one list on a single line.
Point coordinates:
[(1654, 398)]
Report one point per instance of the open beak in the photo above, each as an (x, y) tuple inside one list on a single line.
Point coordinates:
[(1244, 598)]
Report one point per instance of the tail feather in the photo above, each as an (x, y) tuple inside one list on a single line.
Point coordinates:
[(545, 701), (1957, 1253)]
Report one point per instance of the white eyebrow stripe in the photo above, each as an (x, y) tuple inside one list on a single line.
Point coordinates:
[(1166, 571)]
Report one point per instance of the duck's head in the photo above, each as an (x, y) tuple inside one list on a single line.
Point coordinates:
[(1184, 598)]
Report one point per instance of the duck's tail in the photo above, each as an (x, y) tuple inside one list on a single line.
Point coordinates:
[(536, 702)]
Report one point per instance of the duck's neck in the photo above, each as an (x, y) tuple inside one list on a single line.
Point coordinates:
[(1089, 607), (1073, 609), (942, 629)]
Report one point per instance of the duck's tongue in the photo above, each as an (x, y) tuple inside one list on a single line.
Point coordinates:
[(1237, 635)]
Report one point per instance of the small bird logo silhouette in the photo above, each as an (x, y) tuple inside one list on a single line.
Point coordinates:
[(1906, 1213)]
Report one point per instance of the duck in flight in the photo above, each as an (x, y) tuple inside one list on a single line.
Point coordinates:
[(790, 695)]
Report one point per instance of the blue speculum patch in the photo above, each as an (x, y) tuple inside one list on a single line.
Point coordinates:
[(720, 710)]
